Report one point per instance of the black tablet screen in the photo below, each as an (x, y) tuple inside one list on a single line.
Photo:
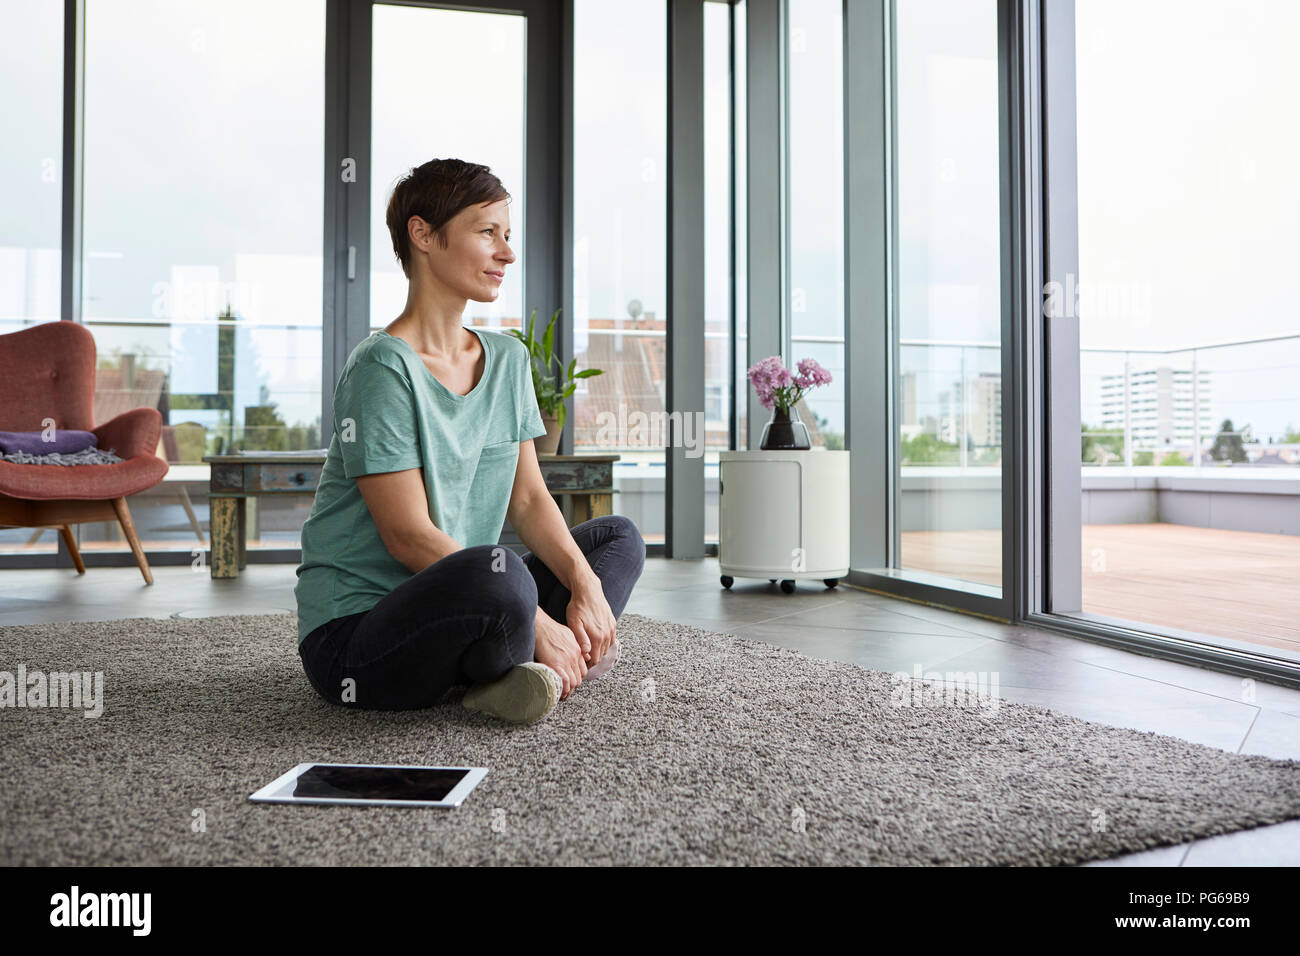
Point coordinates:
[(377, 783)]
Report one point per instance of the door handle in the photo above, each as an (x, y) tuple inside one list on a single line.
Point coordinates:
[(352, 262)]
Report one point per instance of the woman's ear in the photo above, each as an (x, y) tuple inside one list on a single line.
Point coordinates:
[(418, 232)]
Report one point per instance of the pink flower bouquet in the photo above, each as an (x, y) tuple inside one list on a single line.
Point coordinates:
[(777, 387)]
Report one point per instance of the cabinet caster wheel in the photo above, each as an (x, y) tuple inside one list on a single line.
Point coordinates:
[(727, 581), (787, 586), (830, 582)]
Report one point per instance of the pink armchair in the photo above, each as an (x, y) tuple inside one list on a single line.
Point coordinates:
[(47, 371)]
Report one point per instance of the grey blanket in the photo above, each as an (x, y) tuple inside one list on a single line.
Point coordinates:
[(88, 456)]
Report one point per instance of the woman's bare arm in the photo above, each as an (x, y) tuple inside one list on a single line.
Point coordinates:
[(399, 507)]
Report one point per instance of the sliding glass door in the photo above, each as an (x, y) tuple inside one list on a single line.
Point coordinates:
[(1186, 436)]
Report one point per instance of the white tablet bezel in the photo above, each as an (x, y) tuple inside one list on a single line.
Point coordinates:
[(272, 792)]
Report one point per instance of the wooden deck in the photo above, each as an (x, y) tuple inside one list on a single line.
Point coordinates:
[(966, 555), (1240, 585)]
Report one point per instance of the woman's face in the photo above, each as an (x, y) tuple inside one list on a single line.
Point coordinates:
[(478, 251)]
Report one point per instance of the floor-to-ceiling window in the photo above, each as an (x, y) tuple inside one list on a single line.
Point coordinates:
[(948, 388), (620, 319), (202, 266), (815, 210), (31, 184), (1188, 346), (202, 243)]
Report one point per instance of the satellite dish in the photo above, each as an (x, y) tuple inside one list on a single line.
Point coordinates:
[(634, 308)]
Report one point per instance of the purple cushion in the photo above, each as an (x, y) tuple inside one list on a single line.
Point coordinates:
[(66, 442)]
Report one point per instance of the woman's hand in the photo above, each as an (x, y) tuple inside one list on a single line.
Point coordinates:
[(591, 620), (557, 648)]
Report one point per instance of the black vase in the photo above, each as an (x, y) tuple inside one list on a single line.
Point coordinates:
[(785, 432)]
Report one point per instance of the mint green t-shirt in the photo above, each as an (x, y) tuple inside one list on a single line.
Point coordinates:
[(392, 414)]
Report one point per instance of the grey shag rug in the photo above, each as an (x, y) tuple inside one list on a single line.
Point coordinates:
[(697, 748)]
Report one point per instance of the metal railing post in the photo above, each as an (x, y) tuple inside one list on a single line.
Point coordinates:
[(965, 412), (1128, 420), (1196, 412)]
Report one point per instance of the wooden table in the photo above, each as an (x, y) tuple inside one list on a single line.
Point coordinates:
[(586, 481), (235, 479)]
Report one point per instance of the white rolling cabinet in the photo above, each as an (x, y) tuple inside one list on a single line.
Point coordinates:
[(771, 504)]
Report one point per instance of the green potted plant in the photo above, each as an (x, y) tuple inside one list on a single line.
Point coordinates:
[(550, 399)]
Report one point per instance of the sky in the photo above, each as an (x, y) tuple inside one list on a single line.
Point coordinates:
[(1188, 198), (1189, 206), (1187, 202)]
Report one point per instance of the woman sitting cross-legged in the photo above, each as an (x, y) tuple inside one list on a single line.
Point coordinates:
[(403, 591)]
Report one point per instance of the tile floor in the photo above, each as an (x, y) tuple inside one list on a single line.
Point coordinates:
[(847, 624)]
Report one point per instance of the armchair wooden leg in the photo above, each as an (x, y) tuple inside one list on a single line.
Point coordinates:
[(194, 519), (128, 528), (71, 544)]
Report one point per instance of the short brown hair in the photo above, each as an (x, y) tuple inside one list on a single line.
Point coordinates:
[(436, 192)]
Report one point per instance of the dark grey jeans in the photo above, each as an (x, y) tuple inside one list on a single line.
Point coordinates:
[(467, 618)]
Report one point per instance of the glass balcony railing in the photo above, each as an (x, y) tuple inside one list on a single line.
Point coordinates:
[(1204, 407)]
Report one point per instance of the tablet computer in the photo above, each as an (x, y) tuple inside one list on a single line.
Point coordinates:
[(372, 784)]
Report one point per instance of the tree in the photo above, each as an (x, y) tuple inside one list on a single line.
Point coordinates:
[(1101, 445), (834, 441), (303, 436), (926, 449), (1227, 444), (264, 430)]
